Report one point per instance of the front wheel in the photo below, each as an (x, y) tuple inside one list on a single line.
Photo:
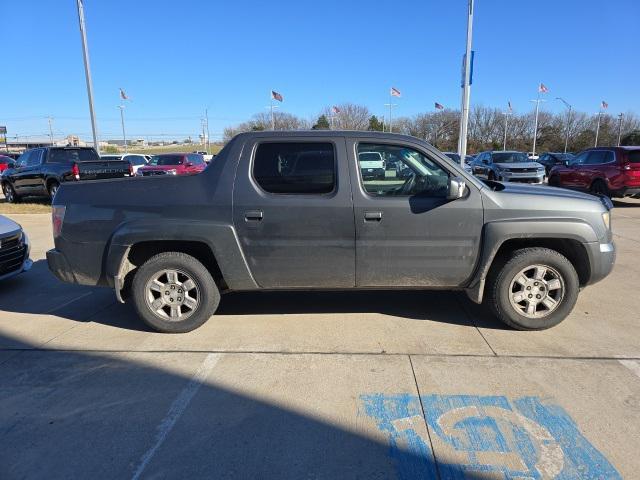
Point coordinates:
[(535, 289), (10, 193), (174, 293)]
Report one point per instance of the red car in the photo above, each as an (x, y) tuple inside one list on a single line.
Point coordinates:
[(6, 162), (610, 171), (173, 164)]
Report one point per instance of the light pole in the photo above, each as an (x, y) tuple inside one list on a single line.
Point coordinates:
[(620, 117), (206, 116), (87, 73), (466, 87), (124, 135), (569, 109)]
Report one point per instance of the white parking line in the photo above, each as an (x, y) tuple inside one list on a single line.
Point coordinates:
[(633, 365), (177, 408)]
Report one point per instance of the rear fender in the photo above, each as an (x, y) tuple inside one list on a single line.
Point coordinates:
[(220, 238)]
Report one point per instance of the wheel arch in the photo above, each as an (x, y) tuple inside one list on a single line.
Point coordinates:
[(215, 245), (500, 239)]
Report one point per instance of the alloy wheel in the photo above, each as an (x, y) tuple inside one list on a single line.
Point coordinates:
[(536, 291), (172, 295)]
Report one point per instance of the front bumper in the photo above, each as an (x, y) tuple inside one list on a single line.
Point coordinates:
[(60, 267), (24, 266), (602, 257), (527, 177)]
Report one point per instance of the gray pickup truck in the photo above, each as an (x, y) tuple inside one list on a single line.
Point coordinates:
[(291, 210)]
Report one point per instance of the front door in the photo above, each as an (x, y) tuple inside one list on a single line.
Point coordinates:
[(407, 232), (293, 212)]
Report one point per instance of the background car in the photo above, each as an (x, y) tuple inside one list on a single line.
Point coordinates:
[(550, 159), (40, 171), (6, 162), (372, 165), (173, 164), (135, 160), (456, 158), (14, 249), (610, 171), (507, 166)]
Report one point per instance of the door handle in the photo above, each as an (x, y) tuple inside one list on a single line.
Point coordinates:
[(372, 216), (253, 215)]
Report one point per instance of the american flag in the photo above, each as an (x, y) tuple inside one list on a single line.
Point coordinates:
[(395, 92), (335, 110), (510, 107), (276, 96), (439, 106), (123, 95), (604, 105), (543, 88)]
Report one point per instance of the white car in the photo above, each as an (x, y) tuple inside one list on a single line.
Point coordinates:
[(14, 249), (136, 160)]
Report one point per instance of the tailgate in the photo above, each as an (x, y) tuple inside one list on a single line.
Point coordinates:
[(102, 169)]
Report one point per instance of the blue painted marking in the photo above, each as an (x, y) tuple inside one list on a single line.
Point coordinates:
[(412, 455), (485, 435)]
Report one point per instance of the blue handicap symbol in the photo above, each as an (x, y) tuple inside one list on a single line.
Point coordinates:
[(479, 436)]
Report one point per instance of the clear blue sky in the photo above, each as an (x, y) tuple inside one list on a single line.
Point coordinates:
[(175, 58)]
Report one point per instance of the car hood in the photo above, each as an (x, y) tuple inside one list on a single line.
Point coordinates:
[(539, 190), (8, 226), (519, 165)]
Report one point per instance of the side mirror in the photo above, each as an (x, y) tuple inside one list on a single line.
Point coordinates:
[(566, 163), (456, 188)]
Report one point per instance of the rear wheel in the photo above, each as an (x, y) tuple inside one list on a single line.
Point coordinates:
[(10, 193), (535, 289), (598, 187), (174, 293)]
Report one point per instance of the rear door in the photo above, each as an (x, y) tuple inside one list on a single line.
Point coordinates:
[(30, 178), (572, 175), (293, 212), (407, 232), (600, 164)]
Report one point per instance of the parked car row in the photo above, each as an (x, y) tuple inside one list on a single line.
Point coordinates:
[(41, 171)]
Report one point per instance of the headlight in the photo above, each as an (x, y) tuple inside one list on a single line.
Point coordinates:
[(606, 218), (172, 172)]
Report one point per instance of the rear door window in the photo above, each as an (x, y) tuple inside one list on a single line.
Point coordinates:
[(295, 168), (599, 157)]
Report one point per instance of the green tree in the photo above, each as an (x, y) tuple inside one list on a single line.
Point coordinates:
[(631, 138), (321, 124), (375, 125), (110, 149)]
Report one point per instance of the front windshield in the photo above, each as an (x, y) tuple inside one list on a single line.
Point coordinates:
[(510, 157), (162, 160)]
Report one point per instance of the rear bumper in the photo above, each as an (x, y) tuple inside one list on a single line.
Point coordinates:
[(626, 192), (60, 267)]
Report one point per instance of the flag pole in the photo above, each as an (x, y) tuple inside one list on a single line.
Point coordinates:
[(390, 120), (598, 126), (506, 122), (620, 127), (273, 120), (535, 128), (124, 136)]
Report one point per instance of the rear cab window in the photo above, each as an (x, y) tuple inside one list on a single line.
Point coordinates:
[(295, 168), (66, 155), (633, 156)]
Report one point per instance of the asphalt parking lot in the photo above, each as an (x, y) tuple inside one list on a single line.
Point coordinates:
[(319, 385)]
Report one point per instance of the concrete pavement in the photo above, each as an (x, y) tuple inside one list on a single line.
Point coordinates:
[(319, 385)]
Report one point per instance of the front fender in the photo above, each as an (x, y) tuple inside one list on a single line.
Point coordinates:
[(219, 237), (495, 234)]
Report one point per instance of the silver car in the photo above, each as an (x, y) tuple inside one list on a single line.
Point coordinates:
[(14, 249)]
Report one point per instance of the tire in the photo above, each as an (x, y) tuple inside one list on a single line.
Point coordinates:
[(52, 188), (10, 194), (599, 187), (554, 181), (196, 306), (504, 290)]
